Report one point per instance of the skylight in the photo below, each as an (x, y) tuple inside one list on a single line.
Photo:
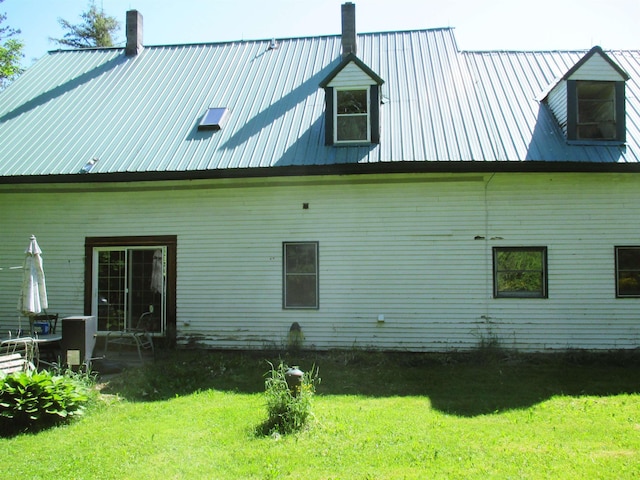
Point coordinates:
[(214, 118)]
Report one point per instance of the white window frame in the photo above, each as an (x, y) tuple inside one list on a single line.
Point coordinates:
[(127, 319), (337, 115)]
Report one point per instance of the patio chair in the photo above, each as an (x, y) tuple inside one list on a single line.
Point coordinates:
[(44, 323), (138, 336), (12, 363), (18, 354)]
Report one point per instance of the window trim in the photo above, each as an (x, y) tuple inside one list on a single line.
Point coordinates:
[(285, 305), (617, 269), (373, 120), (168, 241), (545, 273), (618, 114), (609, 102), (337, 115)]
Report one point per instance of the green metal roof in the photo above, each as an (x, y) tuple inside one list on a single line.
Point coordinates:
[(139, 115)]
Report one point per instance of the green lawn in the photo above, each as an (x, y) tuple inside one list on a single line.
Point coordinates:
[(193, 415)]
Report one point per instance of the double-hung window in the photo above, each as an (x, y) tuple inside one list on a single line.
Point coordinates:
[(300, 275), (520, 272), (352, 107), (352, 101)]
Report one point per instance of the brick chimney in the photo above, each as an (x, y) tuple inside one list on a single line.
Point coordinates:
[(348, 29), (134, 33)]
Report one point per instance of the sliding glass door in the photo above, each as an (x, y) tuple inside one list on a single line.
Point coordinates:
[(129, 280)]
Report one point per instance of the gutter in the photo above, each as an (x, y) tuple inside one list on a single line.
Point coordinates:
[(342, 169)]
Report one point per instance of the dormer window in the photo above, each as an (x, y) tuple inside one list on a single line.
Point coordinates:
[(589, 100), (595, 111), (352, 115), (352, 100)]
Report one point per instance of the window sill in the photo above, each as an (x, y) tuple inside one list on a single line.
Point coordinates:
[(362, 143), (597, 143)]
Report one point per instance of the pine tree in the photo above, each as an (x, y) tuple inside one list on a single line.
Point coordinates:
[(96, 30)]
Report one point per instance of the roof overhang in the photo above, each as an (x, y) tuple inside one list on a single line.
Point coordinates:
[(452, 167)]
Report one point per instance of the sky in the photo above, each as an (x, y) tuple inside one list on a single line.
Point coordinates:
[(478, 24)]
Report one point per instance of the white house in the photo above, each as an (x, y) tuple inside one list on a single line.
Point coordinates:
[(382, 190)]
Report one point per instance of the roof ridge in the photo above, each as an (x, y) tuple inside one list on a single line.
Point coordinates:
[(254, 40)]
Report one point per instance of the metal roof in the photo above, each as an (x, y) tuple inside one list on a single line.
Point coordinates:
[(140, 114)]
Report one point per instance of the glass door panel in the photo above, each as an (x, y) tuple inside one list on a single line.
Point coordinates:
[(130, 282)]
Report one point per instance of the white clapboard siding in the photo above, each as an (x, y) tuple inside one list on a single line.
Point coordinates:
[(558, 104), (417, 250), (596, 69), (351, 76)]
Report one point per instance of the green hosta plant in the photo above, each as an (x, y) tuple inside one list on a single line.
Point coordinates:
[(31, 401), (288, 409)]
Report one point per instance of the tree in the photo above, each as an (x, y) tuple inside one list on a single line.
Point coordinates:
[(10, 53), (96, 30)]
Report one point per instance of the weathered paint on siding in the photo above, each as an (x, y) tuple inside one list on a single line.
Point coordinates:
[(416, 249)]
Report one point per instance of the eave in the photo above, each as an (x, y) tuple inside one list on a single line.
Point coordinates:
[(426, 167)]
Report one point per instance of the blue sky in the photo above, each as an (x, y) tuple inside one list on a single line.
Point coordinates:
[(479, 24)]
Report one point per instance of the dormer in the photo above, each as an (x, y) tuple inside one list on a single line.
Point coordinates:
[(352, 93), (352, 104), (589, 100)]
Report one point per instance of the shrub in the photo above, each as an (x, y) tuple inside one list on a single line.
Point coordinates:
[(287, 411), (31, 401)]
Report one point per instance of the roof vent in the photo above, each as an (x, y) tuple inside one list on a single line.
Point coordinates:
[(349, 29), (89, 165), (134, 33), (214, 119)]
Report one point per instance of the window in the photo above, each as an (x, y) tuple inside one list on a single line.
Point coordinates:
[(520, 272), (129, 276), (352, 115), (627, 272), (352, 104), (595, 111), (300, 272), (214, 119)]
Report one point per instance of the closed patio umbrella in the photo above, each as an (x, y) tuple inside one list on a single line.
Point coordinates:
[(33, 294)]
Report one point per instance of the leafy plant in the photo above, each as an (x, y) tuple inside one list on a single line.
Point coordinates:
[(288, 406), (31, 401), (10, 53)]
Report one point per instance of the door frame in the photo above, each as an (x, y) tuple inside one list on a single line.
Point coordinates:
[(171, 244)]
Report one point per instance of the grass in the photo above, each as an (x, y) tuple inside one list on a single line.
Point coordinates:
[(376, 416)]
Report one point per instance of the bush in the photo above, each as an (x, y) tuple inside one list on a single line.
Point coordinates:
[(288, 411), (31, 401)]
